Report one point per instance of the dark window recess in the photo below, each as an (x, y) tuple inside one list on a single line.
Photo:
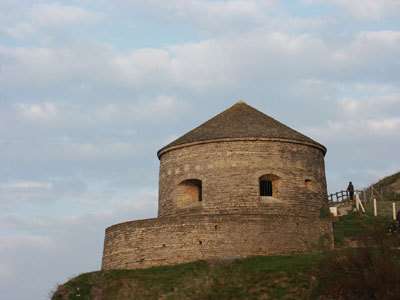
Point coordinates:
[(200, 192), (265, 188)]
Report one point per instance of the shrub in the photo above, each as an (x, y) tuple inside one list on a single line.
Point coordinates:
[(368, 272)]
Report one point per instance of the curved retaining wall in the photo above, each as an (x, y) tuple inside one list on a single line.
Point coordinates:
[(230, 170), (173, 240)]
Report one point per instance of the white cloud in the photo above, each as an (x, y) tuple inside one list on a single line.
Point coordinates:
[(56, 14), (230, 61), (96, 150), (357, 130), (144, 201), (70, 67), (212, 16), (364, 9), (32, 192), (144, 109), (385, 125), (373, 102), (371, 9), (372, 51), (213, 63), (49, 16), (215, 14), (349, 106), (43, 229), (368, 117), (373, 89), (72, 191), (30, 185), (313, 88), (43, 111), (21, 223), (11, 242), (21, 30), (143, 65)]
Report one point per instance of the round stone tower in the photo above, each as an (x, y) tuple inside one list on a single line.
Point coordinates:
[(240, 184), (242, 161)]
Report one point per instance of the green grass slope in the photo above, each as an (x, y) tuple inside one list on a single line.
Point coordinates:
[(272, 277), (307, 276)]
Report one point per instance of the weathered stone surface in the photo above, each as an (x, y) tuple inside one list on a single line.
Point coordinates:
[(172, 240), (230, 172), (209, 196)]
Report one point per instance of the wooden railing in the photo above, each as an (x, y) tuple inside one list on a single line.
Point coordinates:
[(338, 196), (341, 196)]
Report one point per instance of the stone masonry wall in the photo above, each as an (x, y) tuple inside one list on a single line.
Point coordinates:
[(230, 171), (173, 240)]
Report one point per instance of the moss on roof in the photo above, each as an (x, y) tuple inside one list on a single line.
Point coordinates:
[(241, 121)]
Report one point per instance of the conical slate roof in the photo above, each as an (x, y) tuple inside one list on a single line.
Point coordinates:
[(241, 121)]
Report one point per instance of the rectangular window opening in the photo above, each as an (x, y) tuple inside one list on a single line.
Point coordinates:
[(265, 188)]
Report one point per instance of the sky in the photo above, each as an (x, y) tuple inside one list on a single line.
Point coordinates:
[(90, 90)]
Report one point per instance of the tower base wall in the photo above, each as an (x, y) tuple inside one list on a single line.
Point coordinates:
[(180, 239)]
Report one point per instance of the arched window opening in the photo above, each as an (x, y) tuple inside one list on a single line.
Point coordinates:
[(269, 187), (308, 184), (189, 192)]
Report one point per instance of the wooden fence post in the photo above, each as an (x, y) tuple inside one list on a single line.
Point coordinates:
[(357, 200), (375, 211), (394, 211)]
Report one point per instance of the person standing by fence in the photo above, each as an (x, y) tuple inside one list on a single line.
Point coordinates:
[(350, 189)]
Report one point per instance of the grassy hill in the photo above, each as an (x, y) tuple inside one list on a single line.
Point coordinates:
[(307, 276), (388, 187), (368, 272), (273, 277)]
